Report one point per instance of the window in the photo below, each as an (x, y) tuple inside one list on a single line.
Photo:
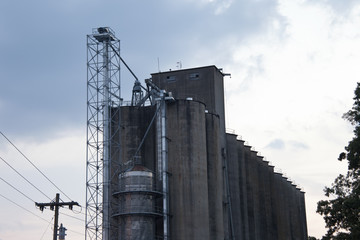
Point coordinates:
[(194, 76), (171, 78)]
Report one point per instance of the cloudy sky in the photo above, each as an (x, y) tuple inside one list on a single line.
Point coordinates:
[(293, 64)]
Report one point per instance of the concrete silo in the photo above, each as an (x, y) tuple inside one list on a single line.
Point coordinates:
[(215, 177), (188, 183)]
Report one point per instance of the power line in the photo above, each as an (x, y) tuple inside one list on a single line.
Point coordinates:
[(79, 212), (16, 189), (82, 220), (76, 212), (54, 205), (24, 178), (34, 165), (24, 208), (46, 228), (76, 232)]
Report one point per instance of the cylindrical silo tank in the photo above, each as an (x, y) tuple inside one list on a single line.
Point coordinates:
[(215, 177), (137, 210), (233, 169), (188, 181)]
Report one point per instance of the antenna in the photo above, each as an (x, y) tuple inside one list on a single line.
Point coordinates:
[(179, 65)]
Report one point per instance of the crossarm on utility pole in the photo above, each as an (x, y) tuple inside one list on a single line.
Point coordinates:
[(55, 205)]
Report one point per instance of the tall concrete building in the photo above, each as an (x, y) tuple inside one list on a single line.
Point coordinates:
[(211, 186)]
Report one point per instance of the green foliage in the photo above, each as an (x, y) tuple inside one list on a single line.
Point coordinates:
[(312, 238), (342, 211)]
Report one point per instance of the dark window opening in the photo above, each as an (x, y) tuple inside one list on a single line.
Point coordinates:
[(194, 76), (171, 78)]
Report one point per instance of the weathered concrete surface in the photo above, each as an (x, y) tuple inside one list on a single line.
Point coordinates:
[(204, 84), (250, 188), (243, 191), (215, 177), (234, 181), (134, 123), (262, 229), (188, 181), (256, 194), (266, 193), (303, 215), (280, 206), (274, 207)]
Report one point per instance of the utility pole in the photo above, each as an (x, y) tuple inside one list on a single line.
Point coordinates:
[(55, 205)]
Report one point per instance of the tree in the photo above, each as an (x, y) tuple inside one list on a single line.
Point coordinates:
[(342, 212), (312, 238)]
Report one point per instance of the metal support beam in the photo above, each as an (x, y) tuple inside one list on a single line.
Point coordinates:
[(103, 125)]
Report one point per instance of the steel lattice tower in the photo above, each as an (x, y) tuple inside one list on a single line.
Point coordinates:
[(103, 114)]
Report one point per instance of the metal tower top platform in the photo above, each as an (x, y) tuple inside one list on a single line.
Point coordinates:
[(103, 34)]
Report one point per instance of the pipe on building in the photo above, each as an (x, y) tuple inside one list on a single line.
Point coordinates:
[(163, 162)]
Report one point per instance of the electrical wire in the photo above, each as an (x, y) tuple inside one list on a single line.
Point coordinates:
[(83, 220), (47, 228), (12, 186), (79, 212), (34, 165), (17, 190), (25, 178), (76, 212), (49, 222), (76, 232), (23, 208)]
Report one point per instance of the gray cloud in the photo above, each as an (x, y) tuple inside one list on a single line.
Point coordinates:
[(277, 144), (43, 46), (298, 145), (280, 144)]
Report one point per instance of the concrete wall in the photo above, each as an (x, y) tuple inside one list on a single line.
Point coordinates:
[(234, 184), (215, 177), (188, 181), (303, 215), (243, 191), (266, 198), (265, 204), (134, 123), (203, 84), (274, 203)]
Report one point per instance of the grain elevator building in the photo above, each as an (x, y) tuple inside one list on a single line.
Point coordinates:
[(211, 186)]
